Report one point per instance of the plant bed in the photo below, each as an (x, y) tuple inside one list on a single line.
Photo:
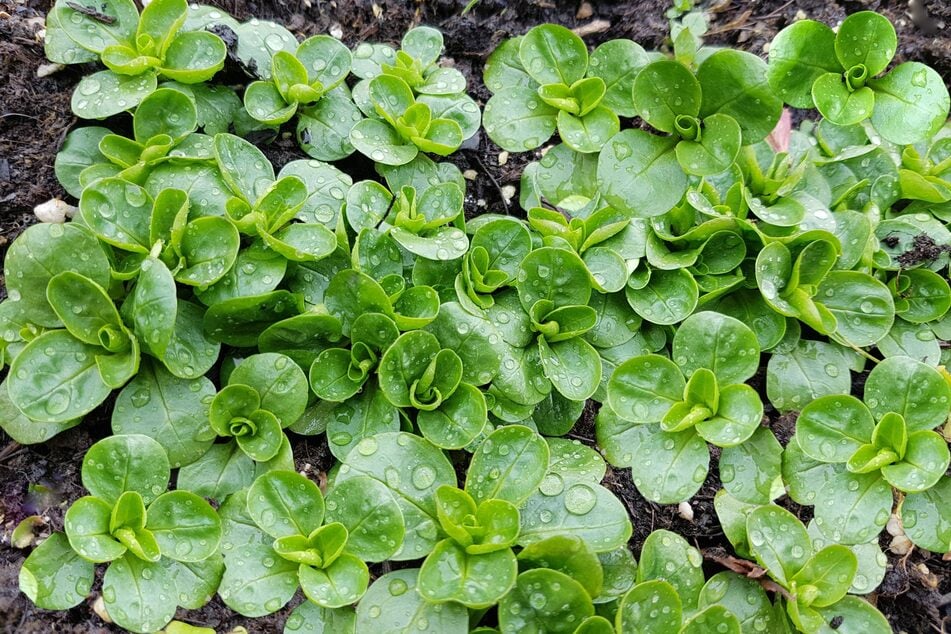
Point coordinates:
[(44, 479)]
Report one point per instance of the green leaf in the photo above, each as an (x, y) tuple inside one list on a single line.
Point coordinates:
[(914, 93), (210, 248), (584, 376), (743, 597), (643, 388), (668, 298), (449, 573), (393, 603), (457, 421), (341, 583), (668, 557), (866, 38), (43, 251), (720, 343), (652, 606), (221, 471), (23, 429), (155, 305), (85, 309), (56, 378), (544, 600), (185, 526), (552, 54), (351, 294), (309, 618), (926, 517), (810, 370), (716, 150), (54, 576), (838, 103), (734, 83), (778, 541), (553, 274), (924, 462), (118, 464), (194, 57), (106, 93), (285, 503), (751, 471), (664, 90), (381, 143), (631, 168), (618, 63), (243, 166), (798, 55), (88, 529), (133, 593), (364, 415), (509, 465), (570, 555), (571, 459), (79, 151), (371, 515), (164, 111), (834, 427), (907, 387), (858, 616), (738, 414), (241, 320), (853, 508), (412, 469), (844, 291), (518, 120), (414, 358), (257, 581), (576, 508), (715, 616), (590, 132), (503, 68), (196, 582), (128, 230), (830, 571)]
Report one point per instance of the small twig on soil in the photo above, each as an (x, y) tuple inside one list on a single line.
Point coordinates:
[(597, 26), (96, 15), (12, 449), (494, 182)]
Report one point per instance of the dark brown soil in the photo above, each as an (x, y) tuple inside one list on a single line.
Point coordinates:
[(35, 116)]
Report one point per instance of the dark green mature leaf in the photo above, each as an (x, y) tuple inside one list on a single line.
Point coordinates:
[(412, 469), (393, 603), (544, 600), (118, 464), (508, 465), (171, 410), (734, 83), (638, 173)]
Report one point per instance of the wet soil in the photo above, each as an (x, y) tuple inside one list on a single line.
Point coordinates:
[(35, 117)]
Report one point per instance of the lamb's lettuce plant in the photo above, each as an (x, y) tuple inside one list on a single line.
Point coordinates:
[(841, 74), (399, 126), (859, 451), (545, 80), (816, 582), (674, 417), (137, 50), (296, 538), (554, 288), (421, 221), (153, 540), (320, 64)]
